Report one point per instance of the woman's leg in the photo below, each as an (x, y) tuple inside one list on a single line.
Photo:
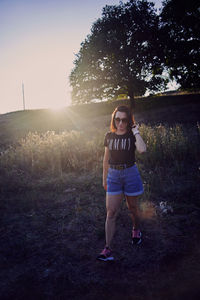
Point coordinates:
[(112, 205), (132, 204)]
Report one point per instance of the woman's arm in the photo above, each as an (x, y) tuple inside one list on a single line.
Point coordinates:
[(105, 167), (140, 145)]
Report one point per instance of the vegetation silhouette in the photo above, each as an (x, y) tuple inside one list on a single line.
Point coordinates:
[(180, 37), (131, 49), (120, 56)]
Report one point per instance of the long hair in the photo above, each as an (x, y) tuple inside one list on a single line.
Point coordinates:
[(130, 117)]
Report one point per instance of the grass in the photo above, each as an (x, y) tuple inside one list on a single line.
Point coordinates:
[(171, 150)]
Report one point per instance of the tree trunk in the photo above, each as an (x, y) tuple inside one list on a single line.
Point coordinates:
[(132, 102)]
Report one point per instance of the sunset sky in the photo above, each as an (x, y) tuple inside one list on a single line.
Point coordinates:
[(38, 40)]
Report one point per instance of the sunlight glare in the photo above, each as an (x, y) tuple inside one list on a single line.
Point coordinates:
[(57, 108)]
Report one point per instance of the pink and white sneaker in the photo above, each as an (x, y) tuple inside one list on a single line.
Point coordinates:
[(106, 255), (136, 236)]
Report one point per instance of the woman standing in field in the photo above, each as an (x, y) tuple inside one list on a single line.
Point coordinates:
[(120, 174)]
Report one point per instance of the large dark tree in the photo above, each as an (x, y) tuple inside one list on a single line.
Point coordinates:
[(180, 36), (120, 55)]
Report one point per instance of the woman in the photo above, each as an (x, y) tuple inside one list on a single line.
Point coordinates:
[(120, 174)]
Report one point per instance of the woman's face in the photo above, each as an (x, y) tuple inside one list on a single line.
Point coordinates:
[(121, 121)]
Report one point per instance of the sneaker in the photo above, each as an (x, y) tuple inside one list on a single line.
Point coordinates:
[(136, 236), (105, 255)]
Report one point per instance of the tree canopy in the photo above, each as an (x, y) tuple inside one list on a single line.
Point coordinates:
[(180, 36), (131, 47), (120, 55)]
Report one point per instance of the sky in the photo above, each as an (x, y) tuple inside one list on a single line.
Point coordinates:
[(38, 43)]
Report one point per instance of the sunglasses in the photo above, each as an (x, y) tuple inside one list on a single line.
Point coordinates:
[(124, 121)]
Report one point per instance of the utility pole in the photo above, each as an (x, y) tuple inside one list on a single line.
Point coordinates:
[(23, 95)]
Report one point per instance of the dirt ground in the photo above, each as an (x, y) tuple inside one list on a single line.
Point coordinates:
[(49, 248)]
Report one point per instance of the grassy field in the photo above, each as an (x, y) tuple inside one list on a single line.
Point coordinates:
[(53, 206)]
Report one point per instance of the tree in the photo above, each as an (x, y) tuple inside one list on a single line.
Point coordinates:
[(120, 54), (180, 36)]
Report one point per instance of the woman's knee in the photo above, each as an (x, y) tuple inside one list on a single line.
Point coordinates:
[(132, 206), (132, 203), (112, 214)]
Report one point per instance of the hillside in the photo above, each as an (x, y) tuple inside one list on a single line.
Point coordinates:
[(154, 110)]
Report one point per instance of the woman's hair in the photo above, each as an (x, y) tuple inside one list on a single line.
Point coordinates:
[(130, 117)]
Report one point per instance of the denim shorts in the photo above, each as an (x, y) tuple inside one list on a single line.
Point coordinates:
[(126, 181)]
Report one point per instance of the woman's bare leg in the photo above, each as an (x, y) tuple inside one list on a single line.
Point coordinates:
[(132, 204), (112, 204)]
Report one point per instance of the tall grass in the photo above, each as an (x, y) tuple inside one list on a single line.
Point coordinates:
[(55, 153), (168, 146), (51, 154)]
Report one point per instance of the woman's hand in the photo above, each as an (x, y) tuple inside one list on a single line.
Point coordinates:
[(135, 129), (105, 185), (139, 143)]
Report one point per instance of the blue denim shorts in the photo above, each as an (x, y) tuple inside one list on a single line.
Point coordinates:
[(126, 181)]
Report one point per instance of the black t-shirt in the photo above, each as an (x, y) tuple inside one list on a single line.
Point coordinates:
[(121, 147)]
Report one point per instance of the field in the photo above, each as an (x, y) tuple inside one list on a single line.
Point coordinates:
[(53, 205)]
